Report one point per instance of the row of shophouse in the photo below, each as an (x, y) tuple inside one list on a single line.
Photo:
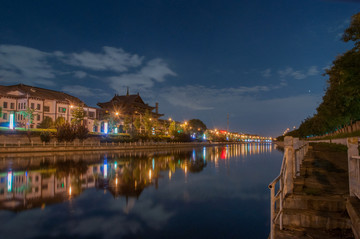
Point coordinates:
[(54, 104)]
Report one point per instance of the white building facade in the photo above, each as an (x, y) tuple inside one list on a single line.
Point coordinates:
[(46, 103)]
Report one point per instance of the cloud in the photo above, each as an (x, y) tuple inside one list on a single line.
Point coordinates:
[(34, 67), (78, 90), (266, 73), (298, 74), (111, 59), (340, 26), (312, 71), (26, 65), (80, 74), (198, 97), (155, 70), (248, 110)]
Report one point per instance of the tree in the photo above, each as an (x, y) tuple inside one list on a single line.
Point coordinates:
[(66, 132), (46, 123), (196, 126), (28, 114), (147, 122), (78, 115), (112, 120), (59, 121), (127, 123), (82, 132), (341, 103), (45, 136), (352, 33), (172, 128), (137, 124)]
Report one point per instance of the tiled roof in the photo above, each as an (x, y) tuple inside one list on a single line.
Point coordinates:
[(40, 93)]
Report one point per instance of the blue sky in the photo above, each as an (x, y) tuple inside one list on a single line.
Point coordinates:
[(260, 61)]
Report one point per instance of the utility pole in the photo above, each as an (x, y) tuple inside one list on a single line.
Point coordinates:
[(227, 122)]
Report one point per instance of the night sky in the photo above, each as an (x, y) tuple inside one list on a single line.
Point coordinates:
[(260, 61)]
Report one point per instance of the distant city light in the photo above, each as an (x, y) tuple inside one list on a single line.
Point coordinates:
[(105, 169), (116, 130)]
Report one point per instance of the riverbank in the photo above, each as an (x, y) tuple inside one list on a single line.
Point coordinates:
[(72, 147)]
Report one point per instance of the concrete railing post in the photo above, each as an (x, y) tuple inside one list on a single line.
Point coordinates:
[(290, 158), (352, 144)]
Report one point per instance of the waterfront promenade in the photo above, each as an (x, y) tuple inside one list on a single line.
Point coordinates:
[(97, 146), (314, 199)]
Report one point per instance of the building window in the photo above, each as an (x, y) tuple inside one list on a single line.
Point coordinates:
[(38, 107), (38, 117), (5, 105), (22, 105), (5, 116), (46, 108), (32, 106), (12, 106), (19, 106), (91, 114), (62, 110)]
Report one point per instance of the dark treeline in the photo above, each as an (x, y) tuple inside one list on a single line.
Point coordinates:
[(340, 105)]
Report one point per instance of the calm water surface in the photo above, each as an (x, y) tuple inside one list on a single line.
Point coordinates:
[(212, 192)]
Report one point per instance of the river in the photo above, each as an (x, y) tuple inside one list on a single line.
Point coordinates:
[(207, 192)]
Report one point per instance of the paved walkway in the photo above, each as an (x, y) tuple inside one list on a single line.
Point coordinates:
[(317, 208)]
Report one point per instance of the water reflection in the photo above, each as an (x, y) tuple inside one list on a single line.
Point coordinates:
[(61, 177), (41, 181)]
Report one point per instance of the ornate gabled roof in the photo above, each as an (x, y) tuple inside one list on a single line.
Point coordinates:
[(21, 91), (126, 101)]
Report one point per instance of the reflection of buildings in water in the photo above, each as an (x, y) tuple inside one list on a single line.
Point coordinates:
[(239, 150), (21, 190)]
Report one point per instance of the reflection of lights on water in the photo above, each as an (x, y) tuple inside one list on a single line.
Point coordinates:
[(204, 153), (135, 183), (9, 186), (116, 181), (150, 174), (169, 174), (70, 190), (115, 165), (105, 168), (193, 154), (153, 163), (185, 169)]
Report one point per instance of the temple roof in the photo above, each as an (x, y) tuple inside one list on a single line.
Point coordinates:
[(128, 104)]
